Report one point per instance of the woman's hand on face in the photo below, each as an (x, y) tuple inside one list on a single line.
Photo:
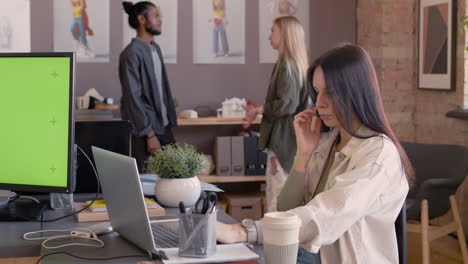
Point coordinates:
[(307, 126), (229, 234)]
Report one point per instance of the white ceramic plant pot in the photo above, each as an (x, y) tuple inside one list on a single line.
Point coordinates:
[(169, 192)]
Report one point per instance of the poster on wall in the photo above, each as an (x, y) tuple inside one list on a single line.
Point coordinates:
[(168, 38), (15, 26), (268, 11), (219, 31), (437, 44), (82, 26)]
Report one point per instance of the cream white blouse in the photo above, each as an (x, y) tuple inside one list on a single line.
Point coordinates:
[(352, 220)]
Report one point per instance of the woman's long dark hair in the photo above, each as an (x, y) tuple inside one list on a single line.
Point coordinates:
[(134, 10), (354, 93)]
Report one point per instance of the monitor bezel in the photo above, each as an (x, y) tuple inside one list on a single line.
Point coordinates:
[(71, 128)]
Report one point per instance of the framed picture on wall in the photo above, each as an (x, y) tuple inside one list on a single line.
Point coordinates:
[(83, 26), (437, 44), (268, 10), (218, 30), (15, 26)]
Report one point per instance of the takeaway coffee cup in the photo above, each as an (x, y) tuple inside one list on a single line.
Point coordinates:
[(280, 237)]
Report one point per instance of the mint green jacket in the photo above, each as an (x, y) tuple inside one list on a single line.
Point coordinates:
[(286, 96)]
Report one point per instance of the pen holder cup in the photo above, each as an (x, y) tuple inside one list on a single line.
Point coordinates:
[(197, 235)]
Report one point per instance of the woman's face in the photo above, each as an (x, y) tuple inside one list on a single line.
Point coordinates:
[(275, 37), (323, 103)]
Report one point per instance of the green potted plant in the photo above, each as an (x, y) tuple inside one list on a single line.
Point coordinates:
[(176, 166)]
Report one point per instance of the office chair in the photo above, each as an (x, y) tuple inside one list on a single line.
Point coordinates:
[(439, 169), (400, 228)]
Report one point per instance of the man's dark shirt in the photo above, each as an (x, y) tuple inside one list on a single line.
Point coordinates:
[(140, 101)]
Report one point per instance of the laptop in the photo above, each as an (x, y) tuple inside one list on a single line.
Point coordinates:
[(121, 188), (118, 175)]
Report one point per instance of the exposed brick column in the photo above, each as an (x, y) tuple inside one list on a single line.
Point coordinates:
[(387, 30)]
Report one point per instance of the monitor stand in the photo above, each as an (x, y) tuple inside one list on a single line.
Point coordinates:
[(18, 210)]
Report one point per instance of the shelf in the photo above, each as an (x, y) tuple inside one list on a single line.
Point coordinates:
[(209, 121), (459, 113), (221, 179), (106, 107), (98, 120)]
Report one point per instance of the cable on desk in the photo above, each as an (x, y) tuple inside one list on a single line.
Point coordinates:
[(21, 196), (81, 233), (99, 259), (75, 212), (87, 206), (14, 198), (10, 199)]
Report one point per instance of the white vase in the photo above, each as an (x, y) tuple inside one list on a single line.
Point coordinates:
[(169, 192)]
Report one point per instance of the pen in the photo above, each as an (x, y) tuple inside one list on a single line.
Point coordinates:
[(182, 208)]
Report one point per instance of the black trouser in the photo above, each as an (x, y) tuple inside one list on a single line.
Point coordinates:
[(140, 147)]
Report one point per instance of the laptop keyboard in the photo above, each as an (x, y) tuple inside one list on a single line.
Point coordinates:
[(164, 237)]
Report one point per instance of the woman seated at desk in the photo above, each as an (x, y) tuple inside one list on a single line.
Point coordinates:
[(347, 185)]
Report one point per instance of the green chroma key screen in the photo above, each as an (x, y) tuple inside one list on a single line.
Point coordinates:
[(35, 112)]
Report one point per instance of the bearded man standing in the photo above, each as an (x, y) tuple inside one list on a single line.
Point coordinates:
[(146, 96)]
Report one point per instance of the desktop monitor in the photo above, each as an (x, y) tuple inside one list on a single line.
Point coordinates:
[(37, 152)]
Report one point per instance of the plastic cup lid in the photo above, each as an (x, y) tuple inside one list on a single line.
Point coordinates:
[(281, 220)]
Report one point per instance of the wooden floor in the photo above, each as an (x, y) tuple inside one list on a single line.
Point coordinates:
[(443, 251), (31, 260)]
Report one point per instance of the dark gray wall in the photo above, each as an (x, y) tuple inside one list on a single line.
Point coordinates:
[(332, 21)]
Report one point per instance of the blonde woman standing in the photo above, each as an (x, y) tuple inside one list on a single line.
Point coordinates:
[(286, 96)]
